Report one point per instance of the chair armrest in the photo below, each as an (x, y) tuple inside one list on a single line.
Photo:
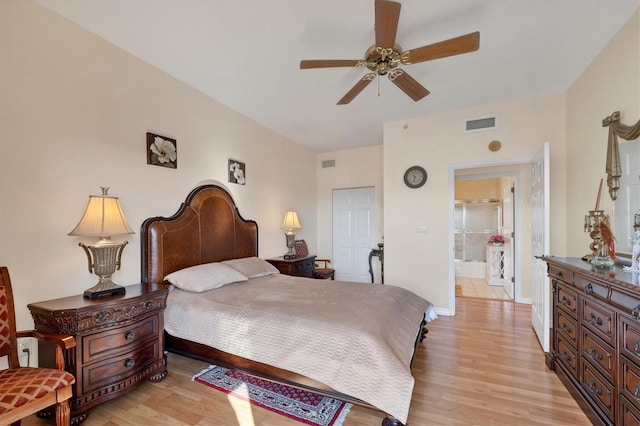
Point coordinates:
[(323, 260), (61, 341)]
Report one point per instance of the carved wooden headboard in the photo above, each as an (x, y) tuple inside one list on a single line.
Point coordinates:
[(206, 228)]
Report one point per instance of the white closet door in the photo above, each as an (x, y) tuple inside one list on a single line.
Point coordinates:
[(353, 233)]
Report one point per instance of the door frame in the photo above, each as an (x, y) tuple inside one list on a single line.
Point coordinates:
[(517, 219)]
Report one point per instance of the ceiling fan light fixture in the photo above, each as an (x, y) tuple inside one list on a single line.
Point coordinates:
[(383, 59)]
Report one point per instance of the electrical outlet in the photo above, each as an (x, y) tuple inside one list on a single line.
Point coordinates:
[(28, 351), (23, 344)]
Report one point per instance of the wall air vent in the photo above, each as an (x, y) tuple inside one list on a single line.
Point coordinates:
[(480, 124), (328, 163)]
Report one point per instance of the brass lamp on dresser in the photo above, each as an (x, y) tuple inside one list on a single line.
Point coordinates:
[(120, 342), (595, 339)]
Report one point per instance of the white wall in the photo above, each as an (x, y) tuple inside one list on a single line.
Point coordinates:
[(74, 111), (355, 168), (610, 83), (420, 261)]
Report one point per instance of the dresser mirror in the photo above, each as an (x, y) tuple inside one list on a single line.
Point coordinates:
[(627, 203)]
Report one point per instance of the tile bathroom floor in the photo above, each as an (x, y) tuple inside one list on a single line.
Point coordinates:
[(479, 288)]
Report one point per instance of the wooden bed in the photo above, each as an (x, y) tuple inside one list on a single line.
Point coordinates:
[(208, 228)]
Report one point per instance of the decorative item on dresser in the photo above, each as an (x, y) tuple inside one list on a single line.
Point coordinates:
[(595, 339), (120, 342)]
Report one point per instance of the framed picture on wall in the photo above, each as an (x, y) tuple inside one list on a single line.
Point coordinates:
[(237, 172), (162, 151)]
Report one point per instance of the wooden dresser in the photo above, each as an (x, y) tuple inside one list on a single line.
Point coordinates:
[(595, 339), (119, 339), (299, 266)]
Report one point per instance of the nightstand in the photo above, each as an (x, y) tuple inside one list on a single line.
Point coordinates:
[(120, 342), (299, 266)]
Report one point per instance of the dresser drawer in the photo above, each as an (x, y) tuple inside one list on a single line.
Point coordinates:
[(595, 289), (599, 353), (598, 389), (307, 265), (557, 273), (629, 338), (111, 371), (567, 299), (599, 319), (567, 327), (630, 381), (567, 356), (629, 415), (113, 341)]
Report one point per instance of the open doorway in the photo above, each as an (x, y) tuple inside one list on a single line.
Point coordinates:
[(484, 237), (509, 218)]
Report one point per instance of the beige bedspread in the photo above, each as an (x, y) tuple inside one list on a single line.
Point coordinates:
[(356, 338)]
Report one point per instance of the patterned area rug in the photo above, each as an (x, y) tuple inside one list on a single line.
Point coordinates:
[(303, 406)]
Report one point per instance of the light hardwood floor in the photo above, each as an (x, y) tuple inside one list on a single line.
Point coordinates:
[(480, 288), (482, 367)]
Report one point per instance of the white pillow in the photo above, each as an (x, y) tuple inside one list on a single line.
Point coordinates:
[(252, 267), (204, 277)]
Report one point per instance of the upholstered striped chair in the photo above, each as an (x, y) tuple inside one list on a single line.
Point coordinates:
[(27, 390)]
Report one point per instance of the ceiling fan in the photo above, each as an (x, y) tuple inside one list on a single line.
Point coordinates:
[(384, 57)]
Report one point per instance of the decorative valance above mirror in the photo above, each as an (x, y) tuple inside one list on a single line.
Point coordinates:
[(614, 171), (623, 169)]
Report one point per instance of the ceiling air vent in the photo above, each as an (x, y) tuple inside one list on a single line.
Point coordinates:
[(328, 163), (480, 124)]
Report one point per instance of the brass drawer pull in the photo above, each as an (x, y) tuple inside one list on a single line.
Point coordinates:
[(565, 356), (593, 320), (564, 327), (565, 301), (130, 335), (636, 392), (559, 274), (636, 349), (148, 304), (592, 387), (129, 363), (591, 352)]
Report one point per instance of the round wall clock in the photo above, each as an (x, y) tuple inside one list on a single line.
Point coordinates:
[(415, 177)]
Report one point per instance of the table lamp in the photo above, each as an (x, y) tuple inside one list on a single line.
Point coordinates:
[(103, 218), (290, 224)]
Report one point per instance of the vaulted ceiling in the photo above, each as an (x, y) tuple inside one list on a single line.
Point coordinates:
[(246, 54)]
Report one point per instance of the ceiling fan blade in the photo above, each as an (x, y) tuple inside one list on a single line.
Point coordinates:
[(355, 90), (408, 84), (387, 17), (453, 46), (329, 63)]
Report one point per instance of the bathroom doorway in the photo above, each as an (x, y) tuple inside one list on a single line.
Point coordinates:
[(484, 237)]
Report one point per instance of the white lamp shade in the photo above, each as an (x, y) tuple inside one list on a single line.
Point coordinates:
[(291, 220), (102, 218)]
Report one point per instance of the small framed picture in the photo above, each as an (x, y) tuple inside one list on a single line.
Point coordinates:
[(162, 151), (237, 172)]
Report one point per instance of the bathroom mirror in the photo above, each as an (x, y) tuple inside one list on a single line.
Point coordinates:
[(627, 203)]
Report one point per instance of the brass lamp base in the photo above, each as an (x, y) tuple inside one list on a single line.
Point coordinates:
[(291, 240), (104, 260), (105, 287)]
